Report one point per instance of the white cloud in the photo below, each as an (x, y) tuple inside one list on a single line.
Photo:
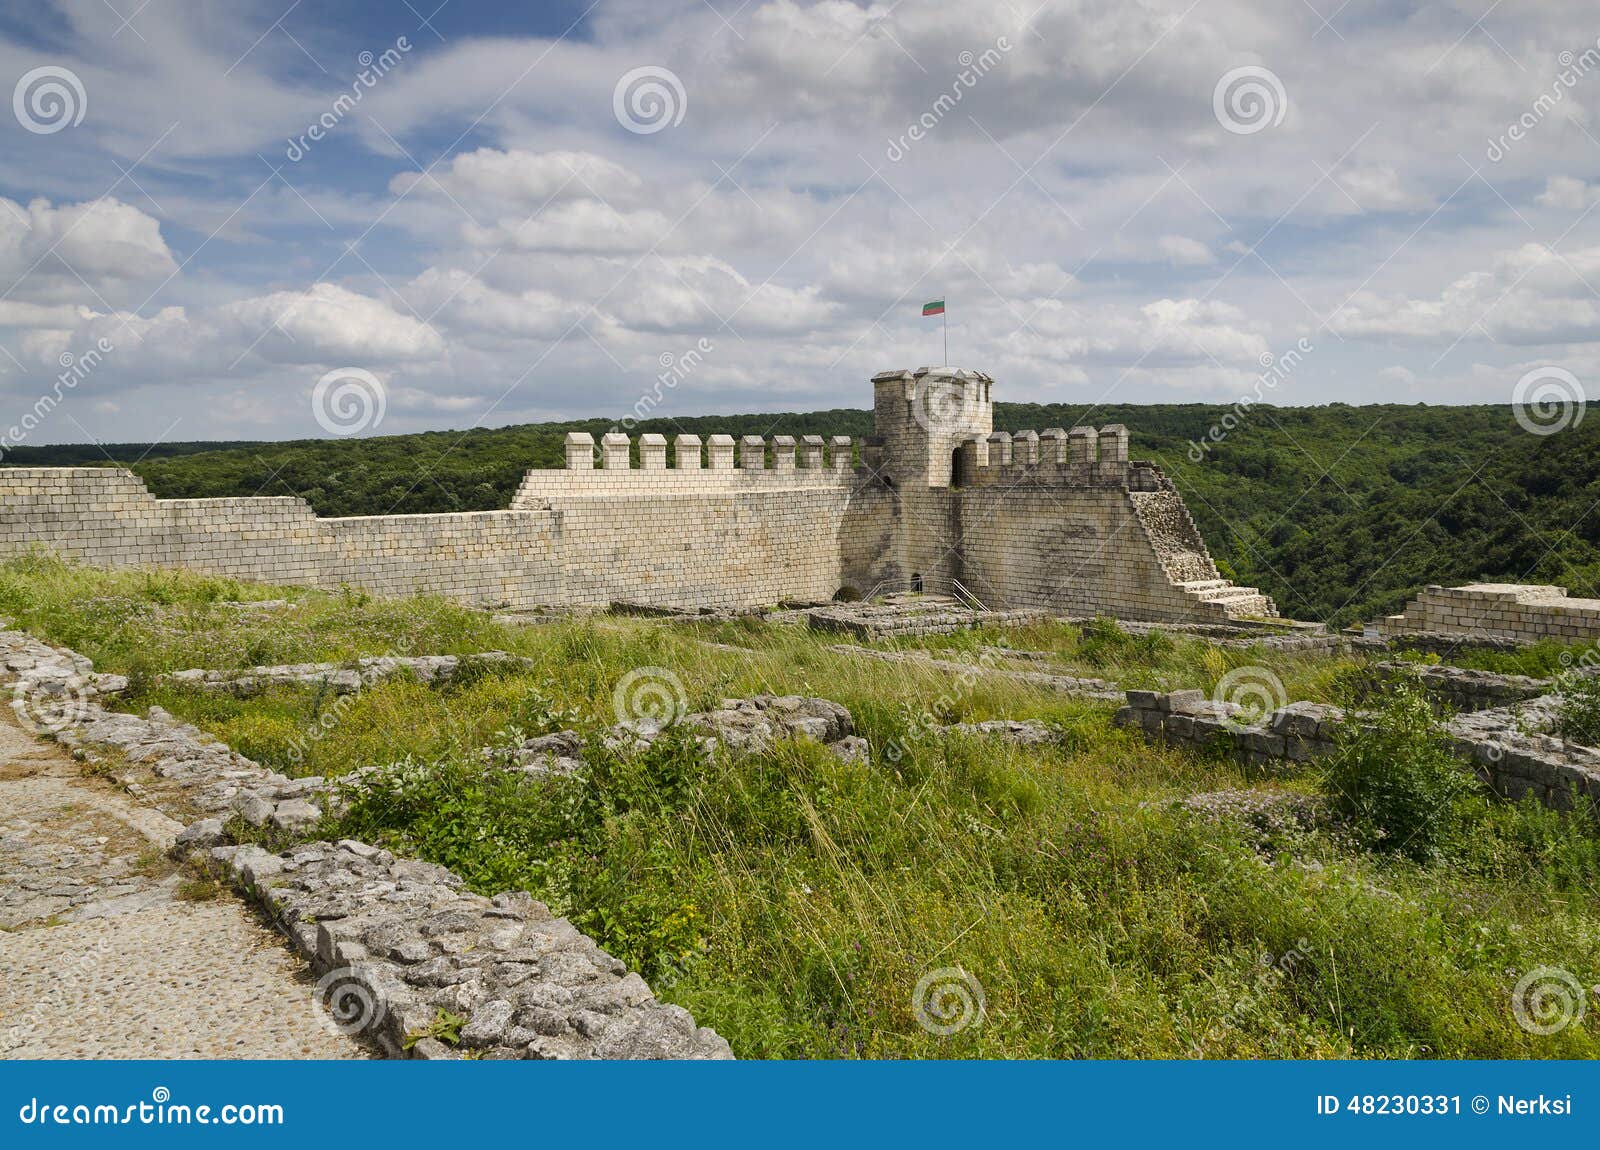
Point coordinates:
[(1094, 228), (1569, 193), (1532, 295), (68, 251), (1185, 252)]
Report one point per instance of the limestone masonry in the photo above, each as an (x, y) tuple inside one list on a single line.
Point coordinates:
[(1518, 612), (1057, 519)]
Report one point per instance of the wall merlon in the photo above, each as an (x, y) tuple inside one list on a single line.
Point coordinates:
[(1082, 445), (839, 448), (1113, 443), (652, 452), (719, 453), (1053, 446), (811, 452), (783, 453), (752, 453), (580, 451), (686, 453), (1025, 448), (614, 451)]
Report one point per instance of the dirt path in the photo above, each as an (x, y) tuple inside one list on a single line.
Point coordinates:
[(101, 953)]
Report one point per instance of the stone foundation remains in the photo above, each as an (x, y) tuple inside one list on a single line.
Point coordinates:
[(1055, 520), (1508, 747), (1515, 612)]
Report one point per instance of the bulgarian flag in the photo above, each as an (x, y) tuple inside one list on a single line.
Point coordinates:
[(933, 307)]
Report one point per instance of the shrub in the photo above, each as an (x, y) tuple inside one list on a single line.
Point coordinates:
[(1395, 774), (1578, 713)]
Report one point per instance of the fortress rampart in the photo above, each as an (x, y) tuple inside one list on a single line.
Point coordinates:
[(1054, 519)]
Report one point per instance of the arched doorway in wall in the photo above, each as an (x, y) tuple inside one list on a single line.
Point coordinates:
[(916, 583), (958, 469)]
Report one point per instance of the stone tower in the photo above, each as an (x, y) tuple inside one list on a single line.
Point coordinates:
[(921, 418)]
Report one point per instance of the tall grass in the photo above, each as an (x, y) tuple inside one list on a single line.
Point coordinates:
[(794, 901)]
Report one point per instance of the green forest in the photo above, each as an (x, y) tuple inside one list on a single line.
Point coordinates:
[(1341, 513)]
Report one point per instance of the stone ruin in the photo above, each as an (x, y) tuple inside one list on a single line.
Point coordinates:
[(935, 500), (1494, 614)]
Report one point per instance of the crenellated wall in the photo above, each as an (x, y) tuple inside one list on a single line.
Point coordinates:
[(1064, 520), (1057, 519), (717, 537)]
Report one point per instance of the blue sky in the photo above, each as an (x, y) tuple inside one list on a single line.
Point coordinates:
[(1121, 201)]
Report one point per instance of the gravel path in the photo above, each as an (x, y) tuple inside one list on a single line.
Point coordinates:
[(103, 959)]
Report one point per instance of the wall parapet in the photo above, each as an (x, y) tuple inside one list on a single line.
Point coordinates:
[(1081, 457), (727, 465)]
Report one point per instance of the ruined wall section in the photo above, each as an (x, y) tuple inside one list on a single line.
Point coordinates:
[(1516, 612)]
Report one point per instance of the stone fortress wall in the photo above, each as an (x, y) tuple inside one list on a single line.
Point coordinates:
[(1518, 612), (1058, 520)]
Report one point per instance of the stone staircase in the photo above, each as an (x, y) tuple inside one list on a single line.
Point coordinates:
[(1236, 602)]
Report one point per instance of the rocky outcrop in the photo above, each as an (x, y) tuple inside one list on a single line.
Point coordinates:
[(754, 724)]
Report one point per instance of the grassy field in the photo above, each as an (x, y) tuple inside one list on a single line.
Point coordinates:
[(794, 902)]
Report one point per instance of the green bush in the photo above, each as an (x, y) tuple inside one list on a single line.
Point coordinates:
[(1578, 715), (1395, 774)]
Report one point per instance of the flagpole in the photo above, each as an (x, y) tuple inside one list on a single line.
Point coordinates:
[(945, 313)]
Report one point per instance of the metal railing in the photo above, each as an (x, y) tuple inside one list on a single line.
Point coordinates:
[(926, 584)]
